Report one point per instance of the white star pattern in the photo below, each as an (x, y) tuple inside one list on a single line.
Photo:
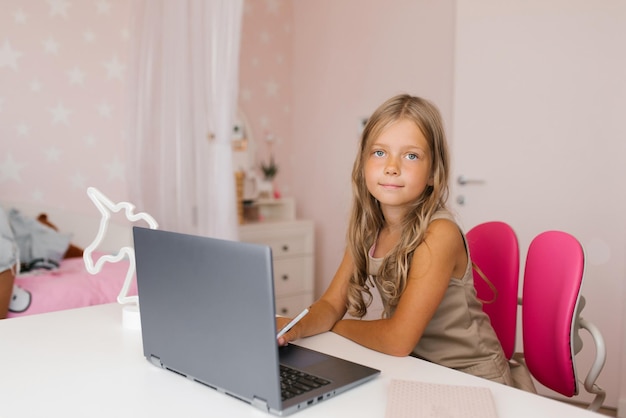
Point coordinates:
[(8, 56), (60, 114), (104, 110), (20, 17), (10, 169), (246, 95), (273, 6), (89, 36), (58, 8), (51, 46), (90, 140), (78, 181), (265, 37), (1, 103), (35, 86), (115, 169), (115, 69), (76, 76), (53, 154), (22, 129), (103, 7), (271, 88), (37, 195), (248, 7)]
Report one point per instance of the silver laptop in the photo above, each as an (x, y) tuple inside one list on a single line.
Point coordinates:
[(207, 313)]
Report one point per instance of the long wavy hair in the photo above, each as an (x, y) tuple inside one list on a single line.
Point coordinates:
[(367, 219)]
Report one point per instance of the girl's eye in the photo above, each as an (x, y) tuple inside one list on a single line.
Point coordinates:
[(412, 156), (379, 153)]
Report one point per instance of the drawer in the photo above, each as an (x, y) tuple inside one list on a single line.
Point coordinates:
[(285, 239), (291, 245), (287, 245), (293, 275), (293, 305)]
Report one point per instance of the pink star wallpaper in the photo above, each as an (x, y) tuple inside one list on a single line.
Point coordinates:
[(63, 95)]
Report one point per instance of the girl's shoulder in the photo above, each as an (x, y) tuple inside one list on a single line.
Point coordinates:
[(443, 222), (444, 214)]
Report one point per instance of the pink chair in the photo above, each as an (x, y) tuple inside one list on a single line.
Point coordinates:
[(494, 251), (551, 305)]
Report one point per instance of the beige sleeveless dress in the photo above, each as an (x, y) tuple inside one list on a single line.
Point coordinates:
[(460, 335)]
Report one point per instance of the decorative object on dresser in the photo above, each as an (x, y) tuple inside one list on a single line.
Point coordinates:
[(264, 210), (265, 187)]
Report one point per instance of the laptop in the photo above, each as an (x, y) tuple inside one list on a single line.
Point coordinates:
[(207, 313)]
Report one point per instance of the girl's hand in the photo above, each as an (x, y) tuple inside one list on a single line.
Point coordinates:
[(281, 321)]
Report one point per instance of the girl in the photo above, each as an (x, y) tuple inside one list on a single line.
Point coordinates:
[(403, 241)]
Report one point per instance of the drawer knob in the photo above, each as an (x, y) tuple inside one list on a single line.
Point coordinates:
[(285, 248), (285, 277), (284, 311)]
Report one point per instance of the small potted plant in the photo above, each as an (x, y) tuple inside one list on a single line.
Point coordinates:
[(270, 170)]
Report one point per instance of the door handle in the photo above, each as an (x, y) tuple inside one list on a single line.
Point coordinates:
[(462, 180)]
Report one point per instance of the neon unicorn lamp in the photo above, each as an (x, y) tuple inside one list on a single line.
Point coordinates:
[(106, 207)]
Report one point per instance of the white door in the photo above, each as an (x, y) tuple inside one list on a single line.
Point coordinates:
[(538, 134)]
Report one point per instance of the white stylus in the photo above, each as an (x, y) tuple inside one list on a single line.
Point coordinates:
[(292, 323)]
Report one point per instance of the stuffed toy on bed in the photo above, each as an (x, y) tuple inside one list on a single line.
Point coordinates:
[(40, 246), (72, 251)]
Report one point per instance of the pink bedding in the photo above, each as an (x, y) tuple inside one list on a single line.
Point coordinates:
[(71, 286)]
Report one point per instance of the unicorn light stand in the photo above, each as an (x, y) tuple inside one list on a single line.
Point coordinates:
[(106, 207)]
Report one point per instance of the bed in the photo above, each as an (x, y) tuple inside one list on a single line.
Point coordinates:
[(71, 285)]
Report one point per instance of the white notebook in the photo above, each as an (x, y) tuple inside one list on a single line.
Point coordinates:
[(408, 398)]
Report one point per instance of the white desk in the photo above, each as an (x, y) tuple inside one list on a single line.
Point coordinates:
[(82, 362)]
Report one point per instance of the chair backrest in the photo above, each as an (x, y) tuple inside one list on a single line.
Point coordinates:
[(552, 281), (494, 249)]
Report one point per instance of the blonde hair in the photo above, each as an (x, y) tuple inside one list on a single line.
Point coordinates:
[(366, 217)]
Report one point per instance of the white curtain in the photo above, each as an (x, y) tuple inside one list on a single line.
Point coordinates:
[(183, 83)]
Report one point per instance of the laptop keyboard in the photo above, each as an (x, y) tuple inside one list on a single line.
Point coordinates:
[(294, 382)]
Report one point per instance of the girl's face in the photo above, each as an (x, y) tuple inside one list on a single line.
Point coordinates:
[(398, 165)]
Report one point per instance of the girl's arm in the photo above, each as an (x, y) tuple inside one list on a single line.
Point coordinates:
[(325, 312), (6, 291), (441, 256)]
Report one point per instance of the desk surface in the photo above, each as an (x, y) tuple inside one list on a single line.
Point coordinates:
[(83, 362)]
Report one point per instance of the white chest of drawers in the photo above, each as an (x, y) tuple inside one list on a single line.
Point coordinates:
[(292, 244)]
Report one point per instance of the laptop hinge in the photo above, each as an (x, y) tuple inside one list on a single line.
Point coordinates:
[(260, 404), (155, 360)]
